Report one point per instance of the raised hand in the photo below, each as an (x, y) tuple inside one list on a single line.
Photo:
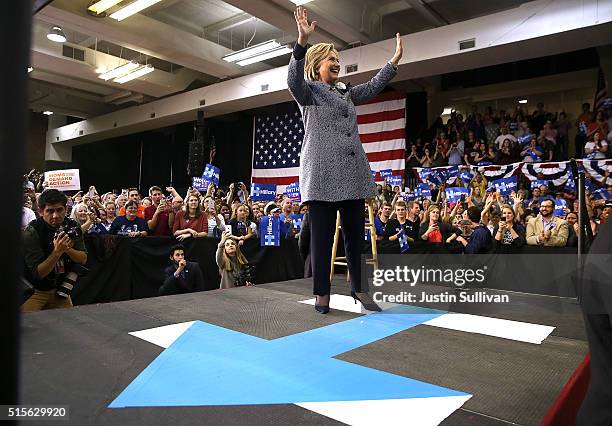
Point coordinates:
[(398, 50), (304, 28)]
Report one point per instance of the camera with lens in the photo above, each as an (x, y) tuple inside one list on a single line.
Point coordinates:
[(246, 274), (71, 230), (64, 289)]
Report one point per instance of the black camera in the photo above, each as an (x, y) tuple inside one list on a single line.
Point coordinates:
[(246, 274), (71, 231)]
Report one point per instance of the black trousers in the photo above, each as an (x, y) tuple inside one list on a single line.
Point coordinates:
[(322, 216)]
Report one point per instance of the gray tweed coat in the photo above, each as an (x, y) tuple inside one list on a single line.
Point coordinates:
[(333, 164)]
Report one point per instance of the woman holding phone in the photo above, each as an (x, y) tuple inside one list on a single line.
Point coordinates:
[(433, 230), (334, 172)]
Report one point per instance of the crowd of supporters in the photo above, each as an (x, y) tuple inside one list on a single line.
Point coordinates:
[(505, 137), (482, 220)]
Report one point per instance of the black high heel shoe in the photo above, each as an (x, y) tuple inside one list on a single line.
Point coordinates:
[(322, 309), (366, 301)]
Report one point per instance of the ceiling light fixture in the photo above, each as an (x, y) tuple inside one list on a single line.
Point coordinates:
[(251, 51), (119, 71), (523, 101), (279, 51), (300, 2), (56, 34), (133, 8), (135, 74), (102, 5), (48, 112), (30, 69), (447, 111)]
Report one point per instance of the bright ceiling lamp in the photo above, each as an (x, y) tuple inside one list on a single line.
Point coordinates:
[(133, 8), (56, 34), (252, 51), (279, 51), (300, 2), (522, 101), (135, 74), (102, 5), (48, 112), (30, 69), (119, 71)]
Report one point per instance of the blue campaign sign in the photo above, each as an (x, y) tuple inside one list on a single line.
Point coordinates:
[(403, 241), (199, 184), (263, 191), (367, 234), (524, 140), (394, 180), (211, 174), (293, 191), (385, 173), (454, 194), (506, 185), (559, 206), (423, 190), (538, 182), (297, 221), (424, 173), (269, 231), (602, 194), (408, 196), (437, 177), (466, 176)]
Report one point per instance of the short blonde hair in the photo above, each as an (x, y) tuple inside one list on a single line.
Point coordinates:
[(314, 56)]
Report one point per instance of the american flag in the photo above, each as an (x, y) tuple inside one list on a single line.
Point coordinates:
[(277, 140), (601, 92)]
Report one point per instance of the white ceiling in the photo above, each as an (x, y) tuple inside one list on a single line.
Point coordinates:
[(185, 40)]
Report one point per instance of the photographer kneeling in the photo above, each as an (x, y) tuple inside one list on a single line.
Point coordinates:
[(233, 266), (54, 249)]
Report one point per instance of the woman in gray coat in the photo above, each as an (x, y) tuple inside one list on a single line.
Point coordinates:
[(334, 169)]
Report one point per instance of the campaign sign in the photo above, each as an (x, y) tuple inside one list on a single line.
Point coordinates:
[(403, 241), (454, 194), (64, 180), (263, 191), (385, 173), (559, 206), (269, 231), (539, 182), (211, 174), (408, 196), (297, 221), (199, 184), (424, 173), (466, 176), (293, 191), (506, 185), (394, 180), (602, 194), (437, 177), (423, 190)]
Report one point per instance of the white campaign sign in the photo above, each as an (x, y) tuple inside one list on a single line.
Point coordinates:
[(64, 180)]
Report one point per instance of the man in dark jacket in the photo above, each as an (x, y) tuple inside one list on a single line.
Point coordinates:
[(53, 249), (480, 240), (182, 276)]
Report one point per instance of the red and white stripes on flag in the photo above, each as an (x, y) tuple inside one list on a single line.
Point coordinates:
[(382, 129)]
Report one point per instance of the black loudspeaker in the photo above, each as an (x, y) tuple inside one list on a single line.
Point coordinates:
[(195, 160)]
